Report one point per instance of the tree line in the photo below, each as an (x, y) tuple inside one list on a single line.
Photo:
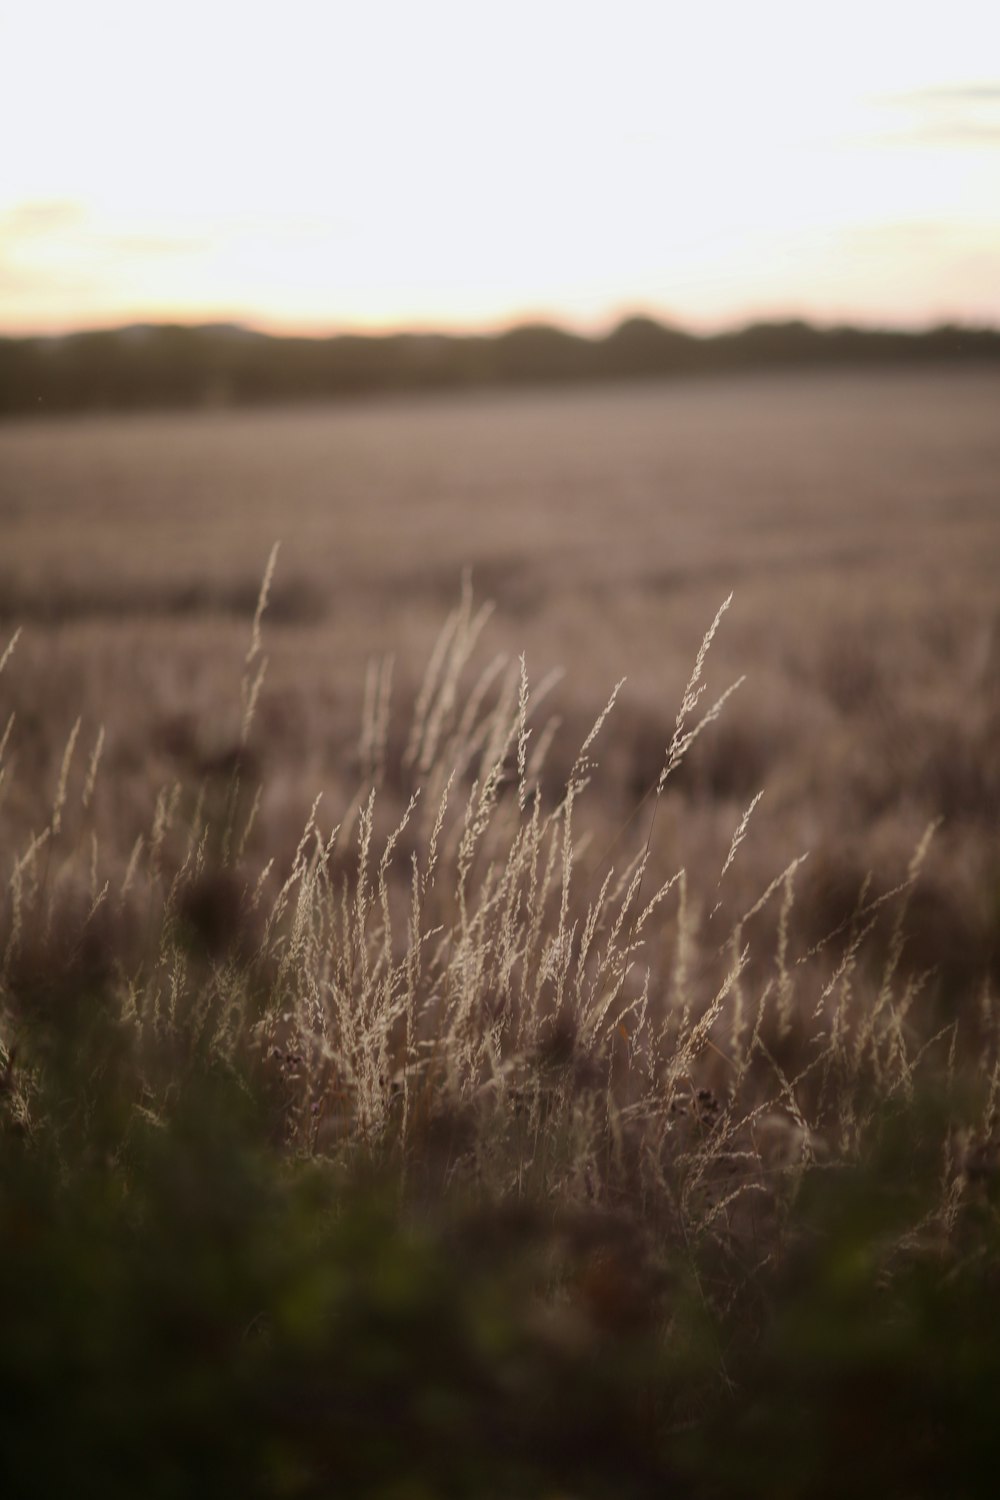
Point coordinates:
[(150, 365)]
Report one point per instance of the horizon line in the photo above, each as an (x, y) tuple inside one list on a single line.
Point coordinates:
[(540, 320)]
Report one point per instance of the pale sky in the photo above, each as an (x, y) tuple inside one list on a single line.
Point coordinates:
[(427, 164)]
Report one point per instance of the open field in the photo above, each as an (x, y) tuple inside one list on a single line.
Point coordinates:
[(484, 1138), (855, 518)]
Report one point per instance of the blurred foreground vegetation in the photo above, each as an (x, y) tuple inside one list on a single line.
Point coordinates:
[(190, 1312)]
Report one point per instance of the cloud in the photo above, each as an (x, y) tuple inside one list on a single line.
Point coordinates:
[(951, 93), (56, 257), (155, 245), (21, 282), (909, 234), (949, 114), (27, 226), (947, 133), (34, 221)]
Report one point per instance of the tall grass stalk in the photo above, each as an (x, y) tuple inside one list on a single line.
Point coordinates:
[(439, 982)]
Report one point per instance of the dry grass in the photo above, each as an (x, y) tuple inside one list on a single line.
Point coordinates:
[(731, 1062), (482, 991), (856, 518)]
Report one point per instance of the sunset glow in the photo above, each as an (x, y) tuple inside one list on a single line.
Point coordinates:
[(315, 167)]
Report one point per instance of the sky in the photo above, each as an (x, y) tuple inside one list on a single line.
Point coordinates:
[(316, 167)]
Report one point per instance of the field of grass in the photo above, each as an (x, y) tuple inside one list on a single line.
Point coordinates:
[(522, 1118)]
